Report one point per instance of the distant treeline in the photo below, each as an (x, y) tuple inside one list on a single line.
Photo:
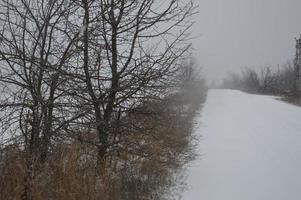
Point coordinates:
[(267, 80)]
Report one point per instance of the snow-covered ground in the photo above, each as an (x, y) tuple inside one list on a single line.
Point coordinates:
[(250, 149)]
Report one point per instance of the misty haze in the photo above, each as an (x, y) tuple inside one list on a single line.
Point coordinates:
[(150, 99)]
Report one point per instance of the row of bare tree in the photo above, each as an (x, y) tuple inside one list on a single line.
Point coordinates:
[(267, 80), (97, 75)]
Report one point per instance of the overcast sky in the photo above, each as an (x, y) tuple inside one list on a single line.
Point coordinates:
[(234, 34)]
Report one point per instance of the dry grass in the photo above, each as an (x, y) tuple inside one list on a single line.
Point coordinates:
[(68, 174), (143, 166)]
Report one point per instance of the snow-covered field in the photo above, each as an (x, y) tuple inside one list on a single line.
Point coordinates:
[(250, 149)]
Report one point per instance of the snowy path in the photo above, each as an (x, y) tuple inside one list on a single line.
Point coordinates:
[(251, 149)]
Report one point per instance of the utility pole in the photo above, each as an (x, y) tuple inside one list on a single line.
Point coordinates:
[(297, 67)]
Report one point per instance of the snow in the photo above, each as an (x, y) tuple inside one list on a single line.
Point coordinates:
[(250, 149)]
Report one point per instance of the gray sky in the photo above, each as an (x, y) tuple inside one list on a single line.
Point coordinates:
[(234, 34)]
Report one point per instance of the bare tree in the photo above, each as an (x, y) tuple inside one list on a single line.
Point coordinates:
[(120, 67), (35, 47), (251, 80)]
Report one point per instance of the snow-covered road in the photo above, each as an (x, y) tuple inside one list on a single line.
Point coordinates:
[(250, 149)]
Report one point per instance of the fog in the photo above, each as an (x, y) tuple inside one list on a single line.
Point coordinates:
[(233, 34)]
